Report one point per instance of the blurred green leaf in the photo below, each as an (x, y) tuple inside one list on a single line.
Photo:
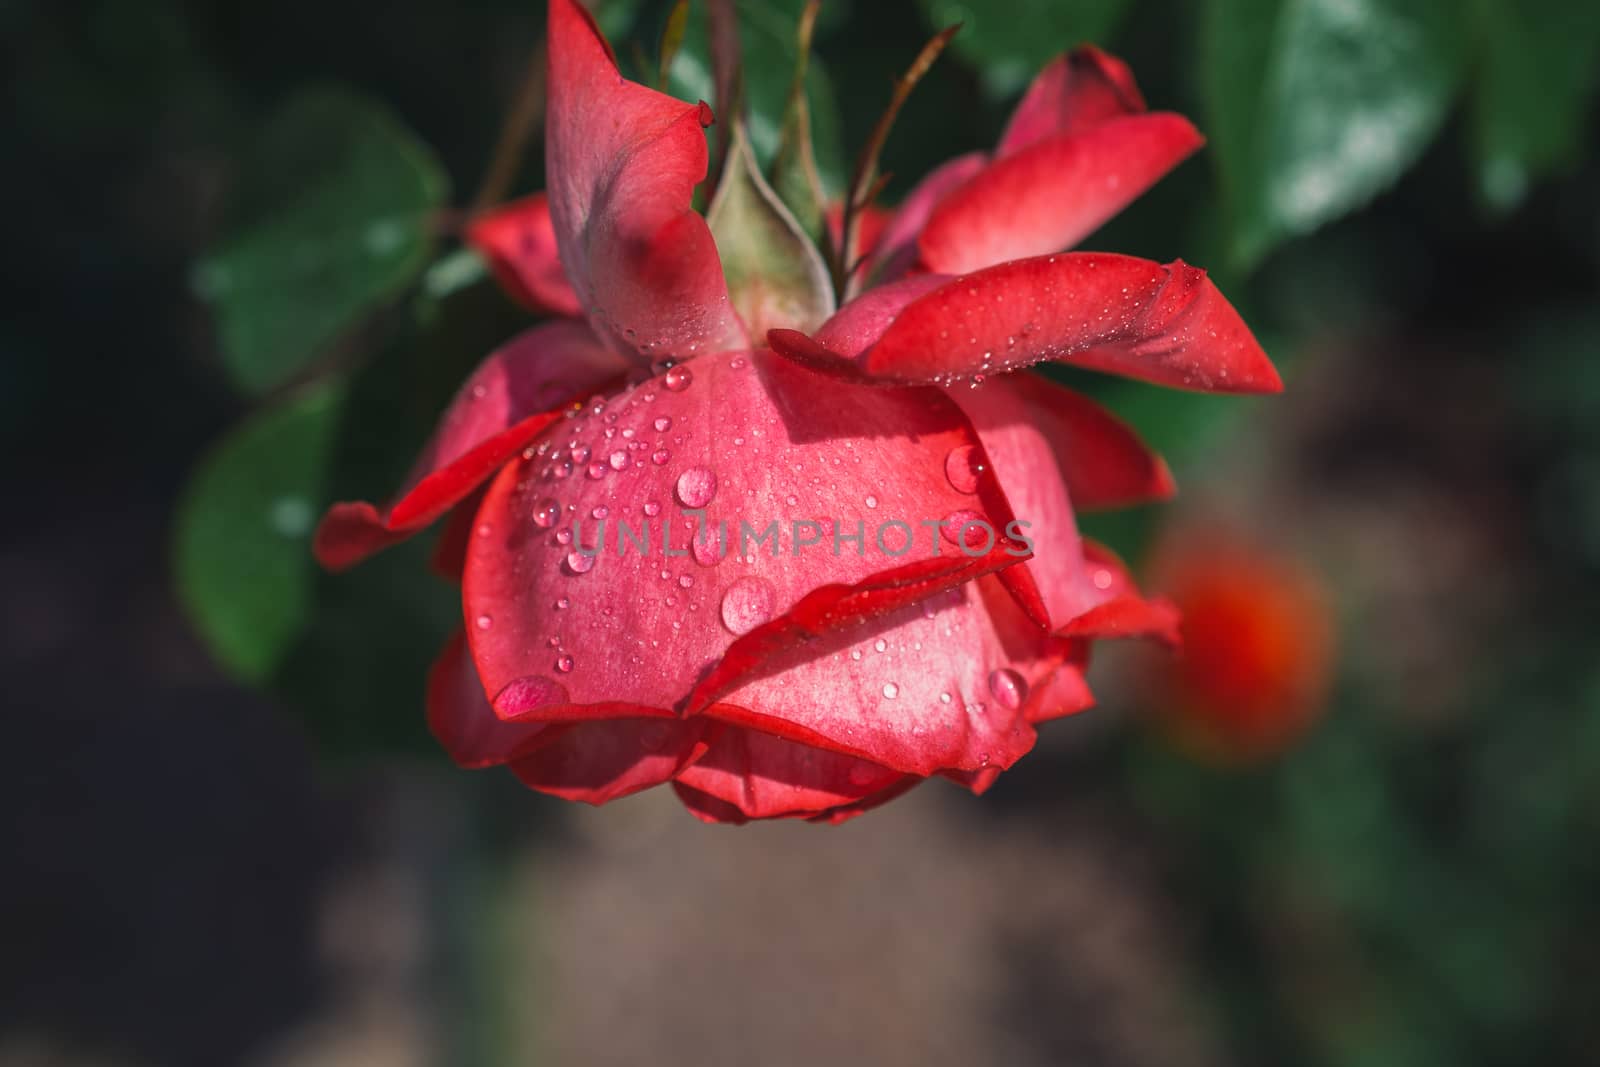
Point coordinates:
[(1317, 105), (1009, 40), (767, 37), (335, 217), (1539, 64), (243, 539)]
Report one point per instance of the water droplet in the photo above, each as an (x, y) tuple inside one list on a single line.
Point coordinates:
[(563, 537), (618, 459), (564, 664), (660, 456), (546, 512), (890, 690), (707, 547), (696, 487), (484, 622), (748, 603), (964, 466), (872, 501), (1102, 578), (598, 470), (967, 528), (663, 424), (944, 698), (579, 453), (880, 645), (685, 580), (563, 604), (578, 563), (600, 511), (1008, 688), (560, 470), (527, 694), (678, 379), (652, 508)]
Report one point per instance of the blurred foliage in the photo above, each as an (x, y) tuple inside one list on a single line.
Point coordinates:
[(1386, 895)]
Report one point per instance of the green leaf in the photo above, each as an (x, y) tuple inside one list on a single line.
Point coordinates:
[(793, 171), (767, 38), (776, 276), (1538, 70), (243, 538), (1317, 105), (335, 217), (1009, 40)]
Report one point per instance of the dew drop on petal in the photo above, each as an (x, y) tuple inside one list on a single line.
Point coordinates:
[(579, 453), (660, 456), (546, 512), (598, 470), (748, 603), (527, 694), (563, 604), (872, 501), (652, 508), (1008, 688), (600, 511), (678, 379), (578, 563), (696, 487), (1102, 578), (564, 664), (966, 528), (964, 466), (663, 424), (618, 459), (484, 622), (880, 645), (890, 690)]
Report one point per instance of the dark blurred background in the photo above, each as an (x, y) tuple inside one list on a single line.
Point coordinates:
[(234, 291)]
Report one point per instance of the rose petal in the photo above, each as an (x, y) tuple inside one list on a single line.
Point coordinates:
[(1054, 193), (1104, 462), (1022, 445), (597, 762), (1164, 324), (623, 161), (752, 439), (936, 685), (766, 777), (1079, 89), (508, 400), (897, 245), (519, 242), (1123, 612), (462, 720)]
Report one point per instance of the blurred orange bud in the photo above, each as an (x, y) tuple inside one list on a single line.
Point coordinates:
[(1258, 646)]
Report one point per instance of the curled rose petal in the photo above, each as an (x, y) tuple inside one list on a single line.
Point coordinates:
[(1123, 612), (938, 685), (766, 777), (510, 398), (1134, 317), (1053, 193), (519, 242), (597, 762), (461, 719), (778, 461), (1079, 89), (623, 162)]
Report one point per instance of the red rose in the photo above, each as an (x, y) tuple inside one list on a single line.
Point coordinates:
[(930, 601)]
